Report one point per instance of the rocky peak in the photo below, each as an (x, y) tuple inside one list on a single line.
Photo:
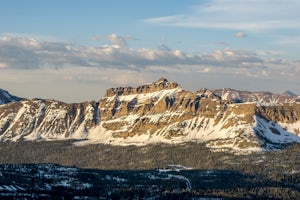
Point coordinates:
[(161, 84), (206, 93), (162, 80)]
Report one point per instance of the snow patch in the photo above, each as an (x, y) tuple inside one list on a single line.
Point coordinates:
[(274, 132)]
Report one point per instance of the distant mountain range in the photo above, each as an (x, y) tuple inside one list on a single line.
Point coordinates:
[(5, 97), (228, 94), (159, 112)]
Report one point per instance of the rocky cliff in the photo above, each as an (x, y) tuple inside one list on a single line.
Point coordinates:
[(47, 119), (157, 112)]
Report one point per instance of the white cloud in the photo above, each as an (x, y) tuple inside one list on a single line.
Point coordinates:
[(120, 40), (165, 19), (115, 39), (250, 15), (27, 53), (240, 34), (3, 65)]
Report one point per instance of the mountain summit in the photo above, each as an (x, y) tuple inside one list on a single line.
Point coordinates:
[(160, 112)]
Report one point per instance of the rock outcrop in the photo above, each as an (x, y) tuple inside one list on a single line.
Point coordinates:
[(161, 84)]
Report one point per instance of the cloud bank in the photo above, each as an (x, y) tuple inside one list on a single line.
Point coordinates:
[(29, 53), (60, 66)]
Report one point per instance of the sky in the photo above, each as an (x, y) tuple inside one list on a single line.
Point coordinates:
[(73, 50)]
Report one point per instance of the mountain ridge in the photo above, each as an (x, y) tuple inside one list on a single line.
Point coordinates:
[(6, 97), (265, 97), (159, 112)]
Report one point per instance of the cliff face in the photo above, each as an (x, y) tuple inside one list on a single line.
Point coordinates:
[(125, 100), (287, 113), (47, 119), (161, 84), (158, 112)]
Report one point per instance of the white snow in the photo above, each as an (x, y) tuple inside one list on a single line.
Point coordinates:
[(10, 188), (64, 183), (291, 127), (118, 179), (274, 132)]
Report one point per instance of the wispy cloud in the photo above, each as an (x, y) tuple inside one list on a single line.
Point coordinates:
[(96, 38), (250, 15), (293, 41)]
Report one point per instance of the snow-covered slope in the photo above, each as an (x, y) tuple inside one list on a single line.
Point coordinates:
[(47, 120), (5, 97), (160, 112), (238, 128), (273, 135)]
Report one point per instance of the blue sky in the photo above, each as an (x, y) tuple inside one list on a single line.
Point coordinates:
[(72, 50)]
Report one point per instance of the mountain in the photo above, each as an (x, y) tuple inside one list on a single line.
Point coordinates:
[(160, 112), (47, 119), (238, 96), (5, 97), (289, 93)]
